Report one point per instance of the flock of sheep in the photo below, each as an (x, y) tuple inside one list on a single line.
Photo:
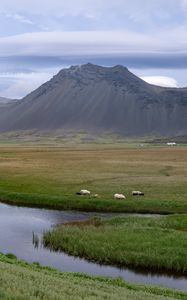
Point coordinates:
[(116, 196)]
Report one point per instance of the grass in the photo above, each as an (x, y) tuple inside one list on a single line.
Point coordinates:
[(50, 176), (23, 281), (157, 244)]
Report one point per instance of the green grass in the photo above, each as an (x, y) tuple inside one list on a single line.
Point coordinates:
[(50, 176), (157, 244), (23, 281)]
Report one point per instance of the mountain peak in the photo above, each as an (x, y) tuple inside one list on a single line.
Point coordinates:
[(90, 66), (117, 74), (93, 67), (91, 97), (120, 68)]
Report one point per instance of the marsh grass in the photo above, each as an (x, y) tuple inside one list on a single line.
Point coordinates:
[(20, 280), (50, 176), (157, 244), (35, 240)]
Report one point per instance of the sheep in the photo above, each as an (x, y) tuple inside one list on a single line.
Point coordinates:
[(137, 193), (84, 193), (119, 196)]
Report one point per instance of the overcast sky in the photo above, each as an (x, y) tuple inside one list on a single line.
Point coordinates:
[(39, 37)]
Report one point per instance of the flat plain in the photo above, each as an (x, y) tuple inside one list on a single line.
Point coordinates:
[(50, 176)]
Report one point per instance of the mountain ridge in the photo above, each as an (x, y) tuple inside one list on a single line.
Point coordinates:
[(99, 98)]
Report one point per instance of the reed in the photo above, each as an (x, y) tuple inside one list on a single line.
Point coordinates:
[(155, 244)]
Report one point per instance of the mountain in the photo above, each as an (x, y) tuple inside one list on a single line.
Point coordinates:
[(5, 101), (95, 98)]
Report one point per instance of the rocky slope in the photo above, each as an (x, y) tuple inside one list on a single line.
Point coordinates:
[(95, 98)]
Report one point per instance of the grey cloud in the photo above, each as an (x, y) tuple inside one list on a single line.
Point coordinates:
[(27, 64), (93, 43)]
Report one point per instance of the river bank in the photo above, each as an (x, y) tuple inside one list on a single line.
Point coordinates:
[(31, 281), (18, 224)]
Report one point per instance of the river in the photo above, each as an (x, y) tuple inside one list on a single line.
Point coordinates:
[(17, 225)]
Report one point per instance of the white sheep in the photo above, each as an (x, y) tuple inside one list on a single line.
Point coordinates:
[(137, 193), (84, 193), (119, 196)]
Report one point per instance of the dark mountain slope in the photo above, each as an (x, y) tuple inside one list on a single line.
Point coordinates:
[(91, 97), (5, 102)]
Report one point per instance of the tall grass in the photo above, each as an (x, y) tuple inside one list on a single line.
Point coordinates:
[(157, 244), (20, 280)]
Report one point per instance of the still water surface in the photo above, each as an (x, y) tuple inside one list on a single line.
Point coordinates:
[(17, 225)]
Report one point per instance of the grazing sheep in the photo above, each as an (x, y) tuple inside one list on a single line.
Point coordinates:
[(137, 193), (84, 193), (171, 144), (95, 195), (119, 196)]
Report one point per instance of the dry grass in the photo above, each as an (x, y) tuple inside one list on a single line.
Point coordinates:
[(161, 173)]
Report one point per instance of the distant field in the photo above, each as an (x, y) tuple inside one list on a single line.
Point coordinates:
[(50, 175)]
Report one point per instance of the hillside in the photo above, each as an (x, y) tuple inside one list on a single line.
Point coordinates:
[(104, 99), (5, 102), (31, 281)]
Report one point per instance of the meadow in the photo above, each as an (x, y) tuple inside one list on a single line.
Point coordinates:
[(22, 281), (50, 176), (154, 244)]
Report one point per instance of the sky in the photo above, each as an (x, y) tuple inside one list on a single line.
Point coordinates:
[(40, 37)]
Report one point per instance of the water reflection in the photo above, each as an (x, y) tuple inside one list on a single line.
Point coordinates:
[(35, 240), (21, 231)]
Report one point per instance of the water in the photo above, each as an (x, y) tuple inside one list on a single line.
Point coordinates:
[(17, 225)]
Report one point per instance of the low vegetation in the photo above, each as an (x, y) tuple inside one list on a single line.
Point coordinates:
[(157, 244), (20, 280), (50, 176)]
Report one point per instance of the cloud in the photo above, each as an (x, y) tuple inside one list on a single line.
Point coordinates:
[(20, 84), (93, 43), (74, 7), (133, 20), (184, 4), (161, 81), (71, 7), (74, 43), (142, 34), (20, 18), (140, 16)]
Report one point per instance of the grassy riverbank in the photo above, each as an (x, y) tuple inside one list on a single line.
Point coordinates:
[(20, 280), (50, 176), (157, 244)]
